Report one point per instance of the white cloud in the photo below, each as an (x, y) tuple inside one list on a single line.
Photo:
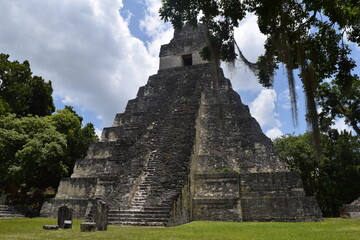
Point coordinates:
[(340, 125), (263, 108), (67, 100), (98, 132), (84, 47), (155, 28), (274, 133), (251, 42), (284, 99)]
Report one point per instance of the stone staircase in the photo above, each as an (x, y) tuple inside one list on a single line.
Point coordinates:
[(137, 213), (9, 212)]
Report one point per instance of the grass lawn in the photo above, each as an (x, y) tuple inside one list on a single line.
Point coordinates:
[(331, 228)]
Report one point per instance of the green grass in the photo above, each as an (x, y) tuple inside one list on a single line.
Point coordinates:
[(331, 228)]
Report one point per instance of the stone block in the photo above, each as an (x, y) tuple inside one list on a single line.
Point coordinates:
[(101, 215), (217, 185), (217, 210), (88, 227), (51, 227), (65, 217), (351, 210)]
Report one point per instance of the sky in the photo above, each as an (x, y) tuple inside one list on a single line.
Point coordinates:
[(97, 53)]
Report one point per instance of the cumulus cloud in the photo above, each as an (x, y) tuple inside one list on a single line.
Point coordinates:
[(284, 99), (274, 133), (84, 47), (251, 42), (98, 132), (340, 125), (263, 109), (155, 28)]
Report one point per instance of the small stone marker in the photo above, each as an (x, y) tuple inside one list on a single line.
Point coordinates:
[(50, 227), (88, 227), (2, 199), (65, 217), (101, 215)]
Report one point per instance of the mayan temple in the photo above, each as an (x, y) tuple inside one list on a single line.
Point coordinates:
[(185, 149)]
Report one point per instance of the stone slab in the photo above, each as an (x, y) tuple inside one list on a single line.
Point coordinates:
[(51, 227), (88, 227)]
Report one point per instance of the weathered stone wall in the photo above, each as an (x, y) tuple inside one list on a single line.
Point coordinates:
[(229, 138), (217, 197), (185, 41), (77, 188), (276, 184), (217, 185), (176, 60), (51, 206), (351, 210)]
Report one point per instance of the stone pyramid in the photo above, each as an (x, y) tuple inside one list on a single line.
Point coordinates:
[(351, 210), (186, 148)]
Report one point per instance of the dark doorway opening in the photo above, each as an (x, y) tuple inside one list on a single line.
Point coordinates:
[(187, 60)]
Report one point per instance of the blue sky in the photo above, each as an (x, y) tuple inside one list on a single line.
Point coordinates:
[(97, 53)]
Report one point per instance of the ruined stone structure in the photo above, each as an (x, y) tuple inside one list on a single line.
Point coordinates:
[(351, 210), (185, 149)]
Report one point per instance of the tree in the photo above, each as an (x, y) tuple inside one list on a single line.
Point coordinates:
[(307, 35), (31, 153), (337, 102), (332, 179), (69, 123), (36, 152), (37, 149), (21, 92)]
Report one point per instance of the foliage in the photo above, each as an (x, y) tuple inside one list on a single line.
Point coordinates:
[(339, 102), (78, 139), (36, 152), (334, 179), (20, 92), (308, 35), (37, 149), (330, 229), (31, 152)]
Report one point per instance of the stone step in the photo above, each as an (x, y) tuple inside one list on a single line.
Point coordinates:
[(140, 197), (144, 211), (146, 215), (141, 193), (137, 204), (150, 175), (148, 181), (12, 216), (139, 200), (160, 208), (136, 219), (149, 224), (8, 212), (145, 184), (114, 211)]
